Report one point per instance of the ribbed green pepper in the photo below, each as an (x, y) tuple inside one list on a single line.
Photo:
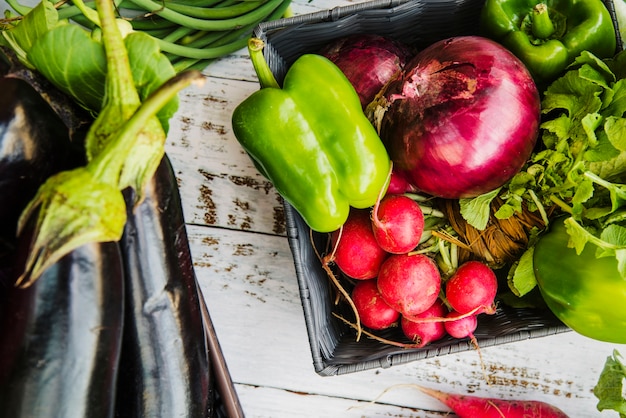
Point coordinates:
[(311, 139), (585, 292), (548, 35)]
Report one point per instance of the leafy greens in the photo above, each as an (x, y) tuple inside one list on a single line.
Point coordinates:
[(124, 144), (610, 387), (580, 167)]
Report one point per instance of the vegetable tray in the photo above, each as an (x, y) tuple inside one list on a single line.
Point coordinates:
[(333, 343)]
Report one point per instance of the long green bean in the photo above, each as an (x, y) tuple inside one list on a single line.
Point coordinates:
[(190, 33), (234, 38), (213, 24), (235, 10)]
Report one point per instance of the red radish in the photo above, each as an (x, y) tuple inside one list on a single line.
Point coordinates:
[(399, 183), (423, 333), (374, 312), (368, 61), (355, 250), (463, 327), (472, 286), (398, 223), (462, 118), (409, 283), (466, 406)]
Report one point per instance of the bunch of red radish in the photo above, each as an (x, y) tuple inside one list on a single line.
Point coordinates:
[(396, 284)]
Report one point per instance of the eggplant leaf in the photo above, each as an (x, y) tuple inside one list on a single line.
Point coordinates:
[(22, 37), (78, 69), (124, 144), (150, 70)]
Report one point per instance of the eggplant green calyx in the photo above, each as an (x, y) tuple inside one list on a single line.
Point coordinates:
[(311, 139), (548, 35)]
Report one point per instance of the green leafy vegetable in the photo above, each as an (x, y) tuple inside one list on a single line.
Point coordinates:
[(124, 146), (610, 387), (191, 34), (522, 278), (580, 170), (476, 211), (79, 69)]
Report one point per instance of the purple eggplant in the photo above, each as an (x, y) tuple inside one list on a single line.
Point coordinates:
[(62, 336), (34, 144), (165, 368)]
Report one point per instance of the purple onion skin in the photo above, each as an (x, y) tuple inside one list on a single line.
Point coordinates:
[(463, 117), (368, 61)]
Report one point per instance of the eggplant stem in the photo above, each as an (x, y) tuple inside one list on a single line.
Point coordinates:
[(107, 163)]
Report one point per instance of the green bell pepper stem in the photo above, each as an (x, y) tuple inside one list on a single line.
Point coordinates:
[(262, 69), (542, 25)]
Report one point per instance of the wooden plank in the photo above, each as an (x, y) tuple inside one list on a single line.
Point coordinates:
[(219, 185), (261, 401)]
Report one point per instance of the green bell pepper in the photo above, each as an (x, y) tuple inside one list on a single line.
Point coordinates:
[(548, 35), (312, 140), (586, 293)]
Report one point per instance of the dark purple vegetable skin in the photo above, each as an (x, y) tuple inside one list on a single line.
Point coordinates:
[(61, 337), (165, 369), (34, 144), (369, 61)]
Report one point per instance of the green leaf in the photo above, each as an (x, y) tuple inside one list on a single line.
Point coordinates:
[(617, 192), (583, 193), (78, 69), (590, 122), (33, 26), (603, 152), (614, 234), (600, 76), (522, 278), (618, 63), (616, 106), (578, 236), (476, 210), (592, 68), (559, 126), (615, 129), (610, 386), (150, 70)]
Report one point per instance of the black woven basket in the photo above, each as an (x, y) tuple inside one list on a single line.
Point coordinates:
[(333, 343)]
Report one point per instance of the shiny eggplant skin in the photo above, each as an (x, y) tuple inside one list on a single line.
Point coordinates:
[(165, 369), (61, 337), (34, 144)]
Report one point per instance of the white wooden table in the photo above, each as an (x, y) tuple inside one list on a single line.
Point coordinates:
[(245, 269)]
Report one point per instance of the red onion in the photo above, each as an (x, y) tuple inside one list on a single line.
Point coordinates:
[(462, 119), (368, 61)]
